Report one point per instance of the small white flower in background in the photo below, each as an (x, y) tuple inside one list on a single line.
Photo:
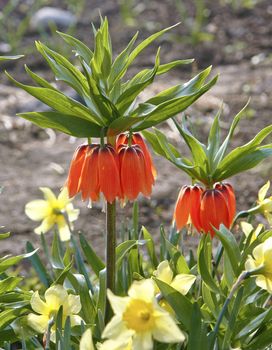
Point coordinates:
[(138, 320), (53, 211), (262, 259), (55, 297), (181, 282)]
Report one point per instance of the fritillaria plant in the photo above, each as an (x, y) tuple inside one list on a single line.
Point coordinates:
[(109, 110)]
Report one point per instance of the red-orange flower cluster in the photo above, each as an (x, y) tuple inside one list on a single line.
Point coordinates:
[(123, 173), (205, 209)]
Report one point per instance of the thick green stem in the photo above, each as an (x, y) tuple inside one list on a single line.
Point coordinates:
[(110, 250)]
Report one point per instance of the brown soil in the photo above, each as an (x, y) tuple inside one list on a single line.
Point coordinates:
[(240, 52)]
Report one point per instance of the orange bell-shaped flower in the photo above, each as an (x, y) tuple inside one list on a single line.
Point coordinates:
[(137, 139), (213, 211), (135, 173), (227, 190), (94, 169), (187, 207)]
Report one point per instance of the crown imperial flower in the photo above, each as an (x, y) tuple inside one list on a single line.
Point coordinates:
[(52, 211), (137, 172), (187, 207), (205, 209), (94, 169)]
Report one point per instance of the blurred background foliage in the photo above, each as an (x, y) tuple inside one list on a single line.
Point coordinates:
[(223, 31)]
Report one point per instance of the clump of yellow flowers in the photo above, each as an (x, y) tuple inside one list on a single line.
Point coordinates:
[(52, 211), (47, 309), (138, 320), (260, 264)]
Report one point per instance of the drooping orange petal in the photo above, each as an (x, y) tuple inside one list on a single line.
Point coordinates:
[(227, 190), (138, 140), (109, 178), (131, 172), (196, 192), (121, 139), (182, 208), (146, 178), (75, 170), (231, 202), (89, 185), (213, 211)]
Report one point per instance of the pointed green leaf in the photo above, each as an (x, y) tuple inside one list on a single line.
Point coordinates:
[(81, 49), (146, 43), (57, 101), (205, 264), (92, 258), (180, 304), (223, 148), (155, 114), (5, 58), (230, 245), (68, 124), (119, 66)]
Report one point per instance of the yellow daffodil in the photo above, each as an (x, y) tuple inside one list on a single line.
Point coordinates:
[(53, 211), (138, 320), (86, 342), (262, 263), (265, 204), (182, 282), (55, 297)]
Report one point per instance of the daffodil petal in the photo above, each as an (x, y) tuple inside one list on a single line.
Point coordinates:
[(73, 304), (38, 322), (114, 328), (164, 272), (250, 264), (246, 227), (124, 342), (45, 226), (75, 320), (38, 305), (142, 341), (258, 253), (55, 296), (86, 342), (63, 198), (264, 283), (118, 304), (166, 330), (263, 191), (143, 289), (72, 213), (37, 210), (183, 282), (64, 231), (49, 195)]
